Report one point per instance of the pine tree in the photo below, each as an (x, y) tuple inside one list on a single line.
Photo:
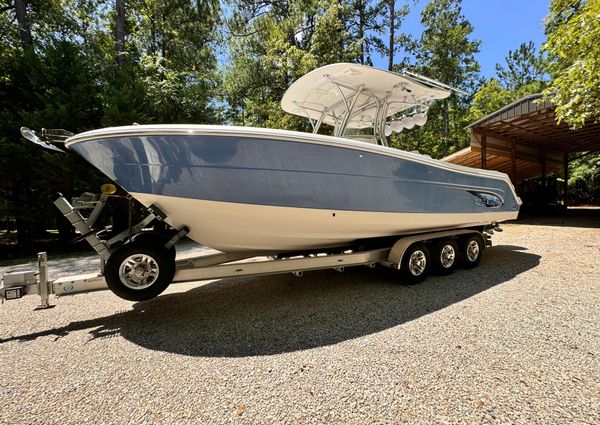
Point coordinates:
[(523, 66), (392, 20), (273, 45)]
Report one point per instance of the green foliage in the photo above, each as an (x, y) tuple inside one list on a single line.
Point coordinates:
[(58, 70), (489, 98), (584, 179), (573, 31), (34, 91)]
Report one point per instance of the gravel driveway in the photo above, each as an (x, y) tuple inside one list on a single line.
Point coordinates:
[(515, 340)]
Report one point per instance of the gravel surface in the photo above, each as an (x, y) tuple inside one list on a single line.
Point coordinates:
[(516, 340)]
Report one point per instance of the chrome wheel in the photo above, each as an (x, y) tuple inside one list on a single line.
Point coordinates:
[(447, 256), (138, 271), (417, 263), (473, 251)]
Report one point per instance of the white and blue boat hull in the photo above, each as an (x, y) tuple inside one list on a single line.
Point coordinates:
[(247, 189)]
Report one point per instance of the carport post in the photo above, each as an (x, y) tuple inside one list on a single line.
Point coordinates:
[(513, 161), (483, 152), (543, 160)]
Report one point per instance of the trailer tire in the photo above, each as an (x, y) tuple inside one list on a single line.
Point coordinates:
[(416, 262), (445, 257), (471, 250), (139, 271)]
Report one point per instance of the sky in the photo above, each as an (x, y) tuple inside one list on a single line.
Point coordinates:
[(501, 25)]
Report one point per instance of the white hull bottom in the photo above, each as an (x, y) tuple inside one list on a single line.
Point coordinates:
[(232, 227)]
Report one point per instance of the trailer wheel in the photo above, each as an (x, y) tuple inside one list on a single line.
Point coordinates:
[(415, 263), (445, 256), (138, 271), (471, 249)]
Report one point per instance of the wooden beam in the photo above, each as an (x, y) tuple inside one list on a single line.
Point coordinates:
[(525, 129), (507, 152)]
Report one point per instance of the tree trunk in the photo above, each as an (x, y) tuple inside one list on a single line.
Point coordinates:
[(163, 38), (392, 22), (445, 115), (361, 32), (341, 19), (120, 32), (22, 224), (23, 21), (66, 232), (153, 42), (23, 233)]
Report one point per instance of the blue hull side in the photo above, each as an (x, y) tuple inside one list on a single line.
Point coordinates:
[(251, 170)]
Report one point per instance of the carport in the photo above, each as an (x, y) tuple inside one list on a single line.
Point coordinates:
[(524, 141)]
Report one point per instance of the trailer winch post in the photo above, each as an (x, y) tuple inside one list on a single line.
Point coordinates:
[(43, 285), (97, 209)]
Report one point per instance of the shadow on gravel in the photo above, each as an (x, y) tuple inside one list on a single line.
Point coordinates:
[(277, 314)]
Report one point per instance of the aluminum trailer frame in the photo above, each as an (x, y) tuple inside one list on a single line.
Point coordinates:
[(15, 285), (215, 266)]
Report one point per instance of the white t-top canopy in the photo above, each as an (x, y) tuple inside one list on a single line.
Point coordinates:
[(328, 93)]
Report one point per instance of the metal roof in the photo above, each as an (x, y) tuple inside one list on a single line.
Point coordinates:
[(523, 139), (532, 120), (510, 110)]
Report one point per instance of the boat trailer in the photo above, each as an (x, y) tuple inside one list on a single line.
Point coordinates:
[(143, 255)]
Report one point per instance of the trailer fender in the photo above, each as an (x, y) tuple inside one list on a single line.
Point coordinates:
[(402, 244)]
